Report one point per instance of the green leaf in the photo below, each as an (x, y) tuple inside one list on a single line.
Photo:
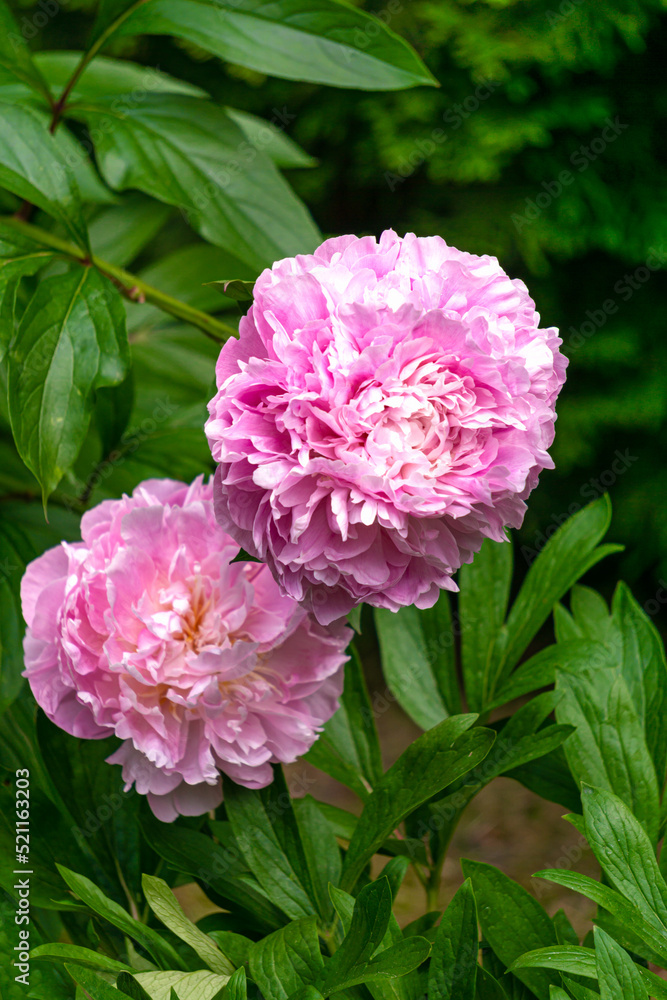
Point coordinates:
[(512, 921), (254, 823), (430, 764), (186, 985), (149, 939), (440, 639), (189, 153), (582, 962), (96, 988), (608, 748), (240, 291), (168, 910), (335, 753), (221, 870), (361, 720), (485, 587), (649, 928), (118, 233), (71, 341), (488, 988), (287, 960), (645, 671), (625, 853), (74, 954), (105, 77), (617, 973), (407, 666), (321, 852), (321, 41), (19, 257), (235, 946), (236, 988), (32, 166), (16, 62), (272, 139), (565, 558), (129, 986), (368, 926), (394, 962), (453, 968)]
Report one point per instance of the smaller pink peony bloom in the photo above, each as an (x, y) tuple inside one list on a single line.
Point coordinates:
[(387, 406), (147, 630)]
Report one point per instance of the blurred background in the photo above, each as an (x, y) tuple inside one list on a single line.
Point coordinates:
[(544, 145)]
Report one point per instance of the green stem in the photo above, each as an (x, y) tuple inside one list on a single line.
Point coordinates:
[(86, 58), (132, 287)]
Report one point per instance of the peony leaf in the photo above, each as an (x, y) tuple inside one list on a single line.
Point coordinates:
[(287, 960), (512, 921), (368, 926), (186, 985), (188, 153), (617, 973), (452, 971), (439, 757), (33, 165), (71, 341), (325, 41), (167, 909)]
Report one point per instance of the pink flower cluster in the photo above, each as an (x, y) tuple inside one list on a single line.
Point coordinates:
[(147, 630), (388, 406)]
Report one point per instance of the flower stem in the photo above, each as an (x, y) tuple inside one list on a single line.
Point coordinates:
[(132, 287)]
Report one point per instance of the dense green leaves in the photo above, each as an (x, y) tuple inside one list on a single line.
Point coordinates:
[(432, 762), (71, 341), (328, 41), (166, 908), (617, 973), (189, 153), (287, 960)]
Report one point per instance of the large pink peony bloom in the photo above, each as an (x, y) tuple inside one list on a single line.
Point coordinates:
[(387, 407), (146, 630)]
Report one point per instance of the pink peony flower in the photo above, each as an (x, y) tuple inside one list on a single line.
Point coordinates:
[(148, 631), (387, 407)]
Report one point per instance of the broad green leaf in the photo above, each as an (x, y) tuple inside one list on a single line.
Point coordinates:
[(648, 927), (407, 666), (512, 920), (645, 672), (368, 926), (394, 962), (89, 894), (321, 41), (321, 852), (287, 960), (485, 587), (32, 166), (608, 748), (221, 869), (550, 777), (540, 670), (71, 341), (590, 612), (255, 826), (20, 257), (128, 986), (189, 153), (617, 973), (168, 910), (16, 62), (439, 757), (565, 932), (118, 233), (335, 753), (625, 853), (186, 985), (272, 139), (104, 77), (582, 962), (440, 636), (488, 988), (361, 720), (240, 291), (74, 954), (453, 968), (556, 993), (236, 988), (235, 946), (569, 554), (95, 987)]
